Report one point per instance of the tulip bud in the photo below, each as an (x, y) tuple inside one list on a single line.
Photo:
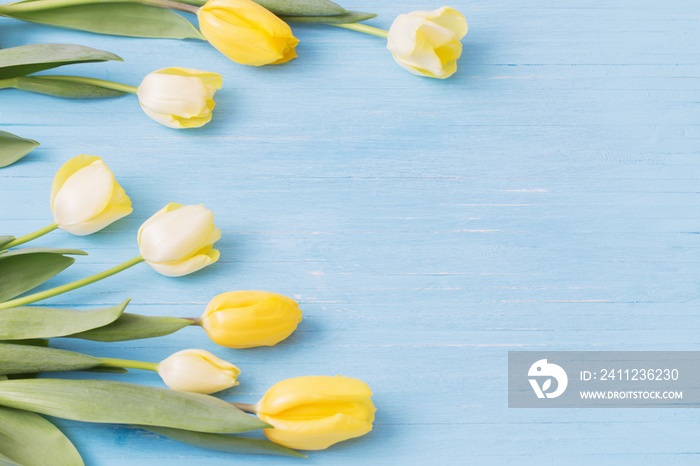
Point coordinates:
[(179, 97), (85, 197), (246, 32), (178, 240), (245, 319), (197, 371), (426, 43), (313, 413)]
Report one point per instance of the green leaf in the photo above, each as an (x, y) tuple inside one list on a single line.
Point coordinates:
[(23, 251), (13, 148), (28, 59), (5, 461), (107, 369), (20, 272), (6, 239), (125, 403), (302, 7), (294, 7), (30, 440), (20, 323), (34, 342), (222, 442), (60, 88), (121, 19), (134, 327), (349, 17), (26, 359)]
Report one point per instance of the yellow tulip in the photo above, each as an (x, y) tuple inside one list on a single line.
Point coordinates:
[(197, 371), (246, 32), (178, 240), (313, 413), (85, 197), (179, 97), (245, 319), (426, 43)]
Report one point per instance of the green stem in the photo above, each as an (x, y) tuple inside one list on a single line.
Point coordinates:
[(30, 236), (92, 81), (146, 366), (70, 286), (22, 7), (245, 407), (363, 28)]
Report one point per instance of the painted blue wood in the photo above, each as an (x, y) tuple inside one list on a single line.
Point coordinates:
[(544, 197)]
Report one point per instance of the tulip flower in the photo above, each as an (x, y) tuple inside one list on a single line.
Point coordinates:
[(246, 32), (85, 198), (197, 371), (246, 319), (178, 240), (426, 43), (179, 97), (313, 413)]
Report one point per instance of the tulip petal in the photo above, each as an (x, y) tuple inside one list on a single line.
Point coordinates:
[(306, 390), (67, 169), (84, 194), (168, 208), (177, 235), (451, 19), (107, 217), (187, 266), (315, 434), (183, 96)]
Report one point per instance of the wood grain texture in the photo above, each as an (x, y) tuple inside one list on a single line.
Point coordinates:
[(544, 197)]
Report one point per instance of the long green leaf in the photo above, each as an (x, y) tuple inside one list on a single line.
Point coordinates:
[(293, 7), (5, 461), (349, 17), (30, 440), (20, 323), (303, 7), (124, 403), (107, 17), (22, 272), (13, 148), (133, 327), (28, 59), (24, 251), (222, 442), (60, 88), (6, 239), (25, 359)]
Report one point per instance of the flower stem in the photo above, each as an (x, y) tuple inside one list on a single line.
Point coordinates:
[(195, 320), (363, 28), (247, 408), (70, 286), (146, 366), (92, 81), (30, 236)]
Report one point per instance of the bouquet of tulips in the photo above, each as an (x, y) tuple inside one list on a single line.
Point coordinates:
[(175, 241)]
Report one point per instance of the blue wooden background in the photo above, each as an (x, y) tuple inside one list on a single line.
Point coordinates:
[(544, 197)]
